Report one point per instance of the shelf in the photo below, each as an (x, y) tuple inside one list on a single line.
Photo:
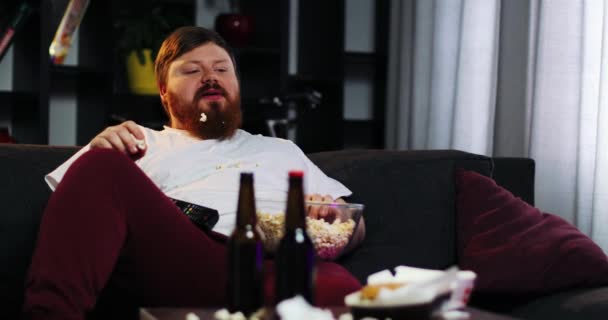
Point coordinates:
[(359, 134), (18, 97), (245, 51), (146, 110), (365, 58), (305, 78), (78, 71), (256, 62), (136, 99)]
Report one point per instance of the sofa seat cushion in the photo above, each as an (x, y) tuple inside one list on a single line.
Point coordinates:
[(517, 249), (572, 305)]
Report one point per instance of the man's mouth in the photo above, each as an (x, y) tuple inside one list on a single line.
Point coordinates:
[(212, 94)]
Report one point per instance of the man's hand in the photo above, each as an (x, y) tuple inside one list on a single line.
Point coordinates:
[(321, 212), (326, 213), (126, 137)]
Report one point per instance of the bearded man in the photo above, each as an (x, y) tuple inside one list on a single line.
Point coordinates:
[(111, 223)]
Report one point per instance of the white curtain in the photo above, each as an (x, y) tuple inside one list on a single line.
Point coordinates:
[(509, 78)]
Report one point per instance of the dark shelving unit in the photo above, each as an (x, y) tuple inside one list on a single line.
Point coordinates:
[(78, 71), (99, 84), (146, 110), (370, 133), (362, 58), (257, 52), (7, 98)]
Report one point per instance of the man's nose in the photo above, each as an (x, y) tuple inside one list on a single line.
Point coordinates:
[(209, 77)]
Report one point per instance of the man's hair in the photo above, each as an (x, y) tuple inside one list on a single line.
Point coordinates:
[(181, 41)]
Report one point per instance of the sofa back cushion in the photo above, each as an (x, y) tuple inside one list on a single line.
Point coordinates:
[(409, 204), (24, 194)]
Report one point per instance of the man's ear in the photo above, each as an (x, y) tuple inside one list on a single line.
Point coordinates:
[(162, 89)]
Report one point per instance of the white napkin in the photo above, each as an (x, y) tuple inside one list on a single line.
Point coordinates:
[(297, 308)]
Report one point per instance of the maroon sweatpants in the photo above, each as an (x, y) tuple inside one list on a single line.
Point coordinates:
[(108, 225)]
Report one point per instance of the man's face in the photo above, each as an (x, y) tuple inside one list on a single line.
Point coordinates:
[(203, 80)]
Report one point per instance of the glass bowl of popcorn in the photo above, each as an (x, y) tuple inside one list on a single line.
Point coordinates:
[(330, 226)]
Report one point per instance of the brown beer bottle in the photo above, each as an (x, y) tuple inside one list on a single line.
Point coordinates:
[(295, 254), (245, 254)]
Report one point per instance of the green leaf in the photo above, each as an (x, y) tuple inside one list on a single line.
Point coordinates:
[(145, 24)]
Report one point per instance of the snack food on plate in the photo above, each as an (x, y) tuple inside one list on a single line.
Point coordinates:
[(411, 293), (370, 291)]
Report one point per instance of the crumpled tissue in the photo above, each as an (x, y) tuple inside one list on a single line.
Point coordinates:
[(297, 308)]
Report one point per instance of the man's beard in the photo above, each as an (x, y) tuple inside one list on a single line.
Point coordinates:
[(221, 123)]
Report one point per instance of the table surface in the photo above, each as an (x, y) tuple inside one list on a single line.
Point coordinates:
[(180, 313)]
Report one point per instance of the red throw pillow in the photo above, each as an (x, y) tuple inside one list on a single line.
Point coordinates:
[(515, 248)]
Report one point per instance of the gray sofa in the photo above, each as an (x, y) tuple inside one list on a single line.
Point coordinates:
[(410, 216)]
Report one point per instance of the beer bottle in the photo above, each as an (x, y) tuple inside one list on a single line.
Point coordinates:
[(295, 254), (245, 254)]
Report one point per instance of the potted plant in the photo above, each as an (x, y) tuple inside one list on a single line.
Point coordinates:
[(142, 27)]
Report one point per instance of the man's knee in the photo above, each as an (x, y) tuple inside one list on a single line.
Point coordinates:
[(102, 162)]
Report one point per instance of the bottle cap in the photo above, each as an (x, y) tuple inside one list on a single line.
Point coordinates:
[(296, 174), (246, 176)]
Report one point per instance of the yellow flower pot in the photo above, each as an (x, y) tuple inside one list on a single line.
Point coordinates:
[(141, 77)]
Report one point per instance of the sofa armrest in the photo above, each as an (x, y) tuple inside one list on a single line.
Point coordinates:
[(23, 195)]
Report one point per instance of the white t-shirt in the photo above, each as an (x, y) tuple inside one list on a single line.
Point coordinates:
[(207, 172)]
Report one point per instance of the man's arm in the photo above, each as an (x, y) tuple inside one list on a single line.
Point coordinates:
[(126, 137)]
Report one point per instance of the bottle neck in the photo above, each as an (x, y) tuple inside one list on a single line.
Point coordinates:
[(295, 215), (246, 212)]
